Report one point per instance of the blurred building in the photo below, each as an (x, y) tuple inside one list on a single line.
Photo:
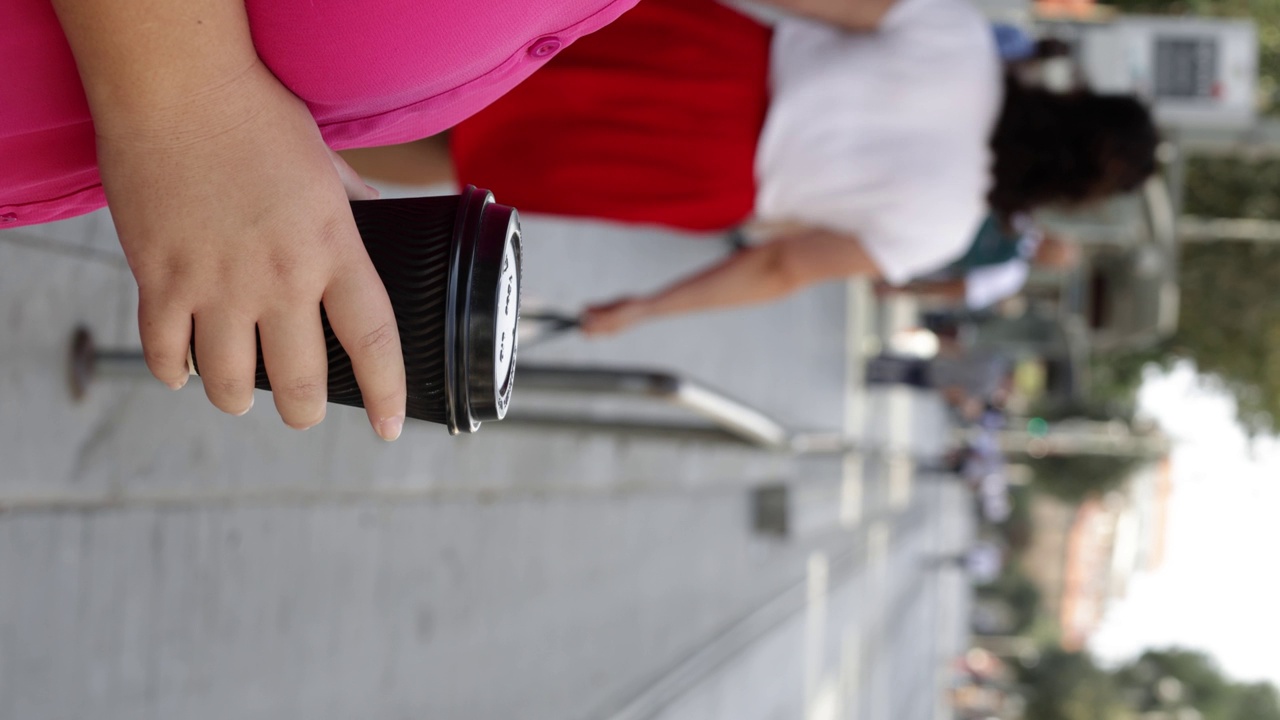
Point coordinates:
[(1083, 558)]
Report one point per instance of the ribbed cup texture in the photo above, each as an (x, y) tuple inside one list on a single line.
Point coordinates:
[(409, 241)]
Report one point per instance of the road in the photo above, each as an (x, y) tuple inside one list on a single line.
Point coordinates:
[(160, 560)]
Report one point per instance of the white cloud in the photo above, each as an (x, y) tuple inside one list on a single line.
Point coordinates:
[(1218, 590)]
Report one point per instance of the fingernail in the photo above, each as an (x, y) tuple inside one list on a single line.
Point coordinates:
[(246, 410), (311, 425), (178, 385), (390, 428), (373, 191)]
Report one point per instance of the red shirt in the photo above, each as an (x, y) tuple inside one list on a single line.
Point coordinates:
[(653, 119)]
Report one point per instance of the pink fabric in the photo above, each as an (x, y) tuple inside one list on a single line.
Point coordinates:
[(374, 72)]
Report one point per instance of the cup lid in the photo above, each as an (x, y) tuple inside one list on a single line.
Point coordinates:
[(486, 292)]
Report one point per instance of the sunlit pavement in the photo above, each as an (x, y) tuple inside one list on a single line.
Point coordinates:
[(160, 560)]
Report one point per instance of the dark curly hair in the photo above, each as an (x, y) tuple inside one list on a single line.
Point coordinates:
[(1068, 148)]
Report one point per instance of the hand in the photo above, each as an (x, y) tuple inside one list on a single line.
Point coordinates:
[(614, 317), (233, 215)]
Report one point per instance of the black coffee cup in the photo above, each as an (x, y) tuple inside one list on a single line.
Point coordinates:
[(451, 266)]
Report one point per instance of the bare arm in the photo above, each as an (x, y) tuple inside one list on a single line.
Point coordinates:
[(860, 15), (755, 275), (944, 289), (141, 59), (231, 210)]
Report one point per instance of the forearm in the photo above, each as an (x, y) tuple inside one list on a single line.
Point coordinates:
[(145, 64), (757, 274), (946, 289), (754, 275)]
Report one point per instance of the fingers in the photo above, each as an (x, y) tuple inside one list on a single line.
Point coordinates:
[(361, 316), (293, 350), (165, 327), (589, 324), (227, 353)]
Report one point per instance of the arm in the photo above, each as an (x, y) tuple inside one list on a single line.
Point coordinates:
[(231, 210), (858, 15), (944, 289), (755, 275), (141, 59)]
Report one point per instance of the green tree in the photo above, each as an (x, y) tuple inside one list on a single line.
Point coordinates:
[(1203, 686), (1233, 335), (1256, 701), (1202, 683), (1070, 686), (1230, 307), (1019, 594), (1075, 477)]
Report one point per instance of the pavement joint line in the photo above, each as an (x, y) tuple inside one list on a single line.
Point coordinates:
[(859, 315), (852, 490), (942, 666), (818, 577), (851, 669), (718, 651), (902, 314), (21, 239), (118, 499), (706, 658), (200, 498)]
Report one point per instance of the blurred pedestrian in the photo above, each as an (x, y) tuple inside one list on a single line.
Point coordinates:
[(997, 264), (875, 152), (983, 561), (975, 373)]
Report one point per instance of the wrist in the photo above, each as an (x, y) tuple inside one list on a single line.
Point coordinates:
[(169, 118)]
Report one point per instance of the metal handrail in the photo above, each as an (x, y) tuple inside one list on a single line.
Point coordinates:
[(727, 415), (734, 417)]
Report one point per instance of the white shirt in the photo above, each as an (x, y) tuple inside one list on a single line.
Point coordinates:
[(883, 135), (987, 285)]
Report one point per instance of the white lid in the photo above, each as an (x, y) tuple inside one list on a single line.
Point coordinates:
[(504, 332)]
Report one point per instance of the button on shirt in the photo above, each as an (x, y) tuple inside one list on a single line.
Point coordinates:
[(372, 73), (545, 47)]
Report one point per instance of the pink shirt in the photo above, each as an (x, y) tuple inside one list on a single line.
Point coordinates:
[(375, 72)]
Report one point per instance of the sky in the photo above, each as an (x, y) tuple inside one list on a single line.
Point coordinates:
[(1218, 589)]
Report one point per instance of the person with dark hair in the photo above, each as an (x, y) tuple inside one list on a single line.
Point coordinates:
[(997, 264), (875, 152), (1068, 148), (1047, 149)]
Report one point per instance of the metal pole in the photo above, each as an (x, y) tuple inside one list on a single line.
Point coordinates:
[(1259, 142), (727, 414), (1193, 229), (87, 362)]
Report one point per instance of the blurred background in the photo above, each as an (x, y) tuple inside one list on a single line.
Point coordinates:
[(713, 516)]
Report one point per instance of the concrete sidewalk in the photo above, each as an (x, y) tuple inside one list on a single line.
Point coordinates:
[(159, 559)]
